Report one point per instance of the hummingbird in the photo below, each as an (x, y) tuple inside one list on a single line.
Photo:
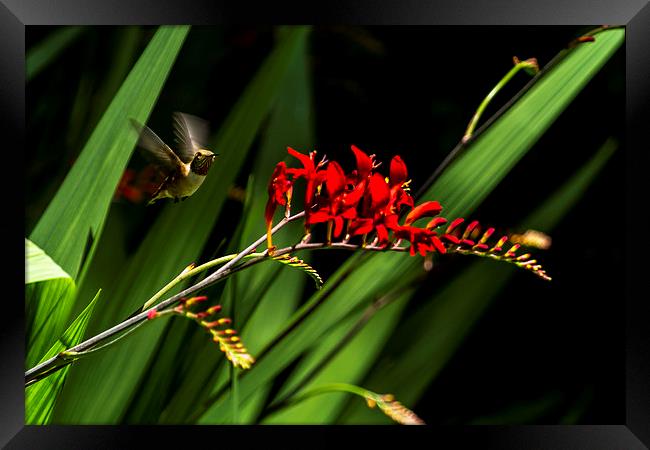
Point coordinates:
[(186, 167)]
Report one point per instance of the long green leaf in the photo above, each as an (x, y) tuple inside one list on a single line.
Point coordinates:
[(460, 189), (441, 324), (49, 295), (77, 213), (41, 396), (99, 393)]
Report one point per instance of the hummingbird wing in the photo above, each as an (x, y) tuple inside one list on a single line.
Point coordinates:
[(155, 150), (191, 135)]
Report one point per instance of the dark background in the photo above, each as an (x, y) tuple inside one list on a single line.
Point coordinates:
[(411, 91)]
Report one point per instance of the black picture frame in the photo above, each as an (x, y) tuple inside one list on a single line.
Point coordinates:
[(635, 15)]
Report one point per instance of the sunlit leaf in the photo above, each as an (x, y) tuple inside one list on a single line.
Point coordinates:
[(39, 266)]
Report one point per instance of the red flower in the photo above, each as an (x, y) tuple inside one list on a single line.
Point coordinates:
[(311, 173), (127, 187), (134, 186), (366, 200), (344, 192), (398, 180), (422, 240), (426, 209), (279, 194), (383, 202), (364, 163), (333, 207), (373, 210)]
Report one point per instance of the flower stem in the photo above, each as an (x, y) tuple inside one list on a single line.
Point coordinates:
[(479, 112), (329, 388)]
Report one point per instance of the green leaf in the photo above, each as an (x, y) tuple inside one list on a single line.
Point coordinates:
[(349, 363), (39, 266), (43, 53), (104, 385), (74, 218), (440, 325), (49, 295), (461, 188), (41, 397)]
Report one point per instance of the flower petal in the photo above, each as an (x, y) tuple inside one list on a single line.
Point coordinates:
[(318, 217), (379, 192), (426, 209), (338, 226), (398, 172), (306, 161), (360, 226), (364, 163), (335, 179), (436, 222)]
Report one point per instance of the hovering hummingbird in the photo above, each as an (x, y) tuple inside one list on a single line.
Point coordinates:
[(186, 167)]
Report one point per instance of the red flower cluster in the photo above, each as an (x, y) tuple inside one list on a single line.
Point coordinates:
[(134, 186), (361, 202)]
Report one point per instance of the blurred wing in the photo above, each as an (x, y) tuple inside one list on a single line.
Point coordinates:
[(155, 150), (191, 134)]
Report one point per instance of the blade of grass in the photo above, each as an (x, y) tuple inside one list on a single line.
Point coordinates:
[(41, 397), (465, 183), (103, 385), (441, 324)]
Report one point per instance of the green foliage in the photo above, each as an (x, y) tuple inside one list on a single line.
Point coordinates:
[(49, 293), (460, 188), (97, 395), (79, 209), (76, 215), (265, 295), (442, 323), (41, 396), (169, 372)]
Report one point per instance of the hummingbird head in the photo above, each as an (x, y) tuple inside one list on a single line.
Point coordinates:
[(202, 161)]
